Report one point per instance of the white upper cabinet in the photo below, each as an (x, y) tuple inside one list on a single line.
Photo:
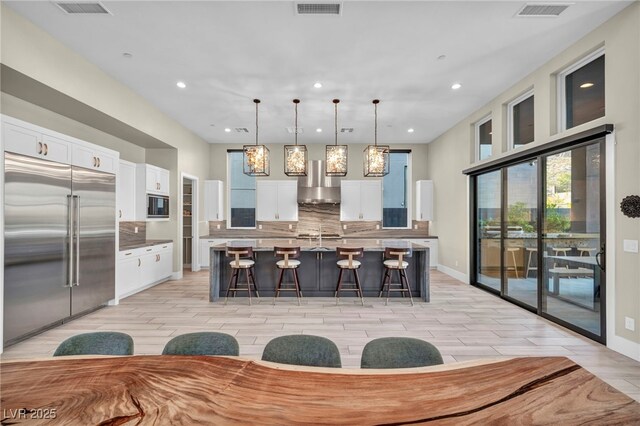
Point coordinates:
[(213, 200), (89, 157), (156, 179), (424, 200), (126, 191), (35, 141), (277, 200), (360, 200)]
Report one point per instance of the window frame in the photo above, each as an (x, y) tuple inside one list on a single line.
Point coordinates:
[(409, 188), (524, 96), (229, 152), (476, 130), (561, 93)]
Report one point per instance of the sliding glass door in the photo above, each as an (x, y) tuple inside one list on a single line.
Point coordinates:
[(538, 236), (573, 240), (488, 229), (521, 234)]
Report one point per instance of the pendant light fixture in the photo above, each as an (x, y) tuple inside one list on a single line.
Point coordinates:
[(376, 157), (295, 156), (256, 157), (336, 155)]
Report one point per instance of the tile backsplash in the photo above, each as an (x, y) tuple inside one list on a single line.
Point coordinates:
[(128, 236), (309, 219)]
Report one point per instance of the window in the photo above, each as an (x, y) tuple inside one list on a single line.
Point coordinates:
[(581, 91), (242, 193), (483, 138), (520, 120), (395, 191)]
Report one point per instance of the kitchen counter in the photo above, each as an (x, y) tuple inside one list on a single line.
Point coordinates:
[(147, 243), (235, 236), (318, 271)]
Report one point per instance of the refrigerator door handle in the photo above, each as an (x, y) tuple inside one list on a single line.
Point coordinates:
[(70, 242), (77, 248)]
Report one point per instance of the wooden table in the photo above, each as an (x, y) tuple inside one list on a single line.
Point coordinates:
[(224, 390)]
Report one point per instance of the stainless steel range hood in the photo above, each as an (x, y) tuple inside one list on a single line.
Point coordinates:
[(316, 188)]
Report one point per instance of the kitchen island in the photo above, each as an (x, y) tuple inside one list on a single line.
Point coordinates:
[(318, 271)]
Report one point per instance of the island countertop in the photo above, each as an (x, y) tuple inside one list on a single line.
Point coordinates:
[(314, 245), (318, 270)]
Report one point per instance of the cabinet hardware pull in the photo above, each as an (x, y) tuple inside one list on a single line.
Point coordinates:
[(165, 246), (94, 161), (120, 214), (128, 254), (39, 147), (98, 161), (139, 262), (149, 249), (46, 149)]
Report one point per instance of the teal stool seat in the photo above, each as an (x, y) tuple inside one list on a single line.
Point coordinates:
[(302, 349), (98, 343), (202, 343), (399, 352)]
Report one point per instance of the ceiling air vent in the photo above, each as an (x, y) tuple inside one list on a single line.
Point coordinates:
[(346, 130), (292, 130), (542, 10), (242, 130), (330, 8), (87, 8)]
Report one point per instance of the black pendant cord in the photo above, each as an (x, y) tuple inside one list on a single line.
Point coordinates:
[(256, 101), (296, 119), (335, 104), (375, 130)]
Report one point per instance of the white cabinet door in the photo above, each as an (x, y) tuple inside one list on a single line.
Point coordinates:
[(288, 200), (126, 191), (90, 158), (34, 144), (128, 279), (371, 200), (152, 180), (266, 200), (205, 252), (424, 200), (165, 261), (350, 200), (213, 200), (148, 267), (163, 181)]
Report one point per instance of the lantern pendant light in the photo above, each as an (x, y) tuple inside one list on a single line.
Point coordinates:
[(336, 155), (256, 157), (295, 156), (376, 157)]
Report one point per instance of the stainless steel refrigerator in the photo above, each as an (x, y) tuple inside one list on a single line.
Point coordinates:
[(59, 243)]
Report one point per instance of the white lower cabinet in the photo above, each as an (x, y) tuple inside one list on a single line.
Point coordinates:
[(140, 268), (205, 254), (432, 243)]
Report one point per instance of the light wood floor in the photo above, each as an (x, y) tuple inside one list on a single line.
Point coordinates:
[(463, 322)]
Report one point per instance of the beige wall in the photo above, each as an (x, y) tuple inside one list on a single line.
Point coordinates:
[(218, 162), (34, 53), (452, 152)]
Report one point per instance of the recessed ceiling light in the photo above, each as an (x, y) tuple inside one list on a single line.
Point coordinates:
[(127, 55), (586, 85), (317, 85), (410, 130), (181, 84), (228, 130), (456, 86), (318, 130)]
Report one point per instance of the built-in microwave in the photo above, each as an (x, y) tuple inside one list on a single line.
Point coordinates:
[(157, 206)]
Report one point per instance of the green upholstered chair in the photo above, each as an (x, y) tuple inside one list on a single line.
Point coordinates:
[(301, 349), (399, 352), (203, 343), (98, 343)]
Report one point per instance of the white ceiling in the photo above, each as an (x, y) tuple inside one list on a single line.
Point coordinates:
[(231, 52)]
